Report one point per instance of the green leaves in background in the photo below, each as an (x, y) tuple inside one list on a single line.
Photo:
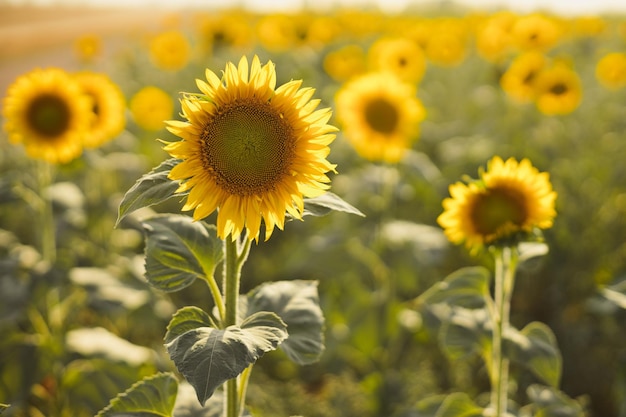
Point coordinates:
[(297, 304), (179, 250), (152, 188), (550, 402), (467, 287), (151, 397), (457, 404), (208, 357), (3, 407), (326, 203)]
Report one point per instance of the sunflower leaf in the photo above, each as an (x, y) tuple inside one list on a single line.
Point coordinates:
[(153, 396), (327, 202), (550, 402), (297, 304), (152, 188), (467, 287), (208, 357), (179, 250)]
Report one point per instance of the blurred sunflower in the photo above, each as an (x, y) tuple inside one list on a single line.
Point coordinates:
[(278, 32), (493, 36), (225, 29), (250, 150), (558, 90), (108, 106), (345, 62), (446, 48), (150, 107), (536, 31), (509, 200), (611, 70), (519, 79), (170, 50), (401, 56), (47, 111), (88, 47), (380, 115)]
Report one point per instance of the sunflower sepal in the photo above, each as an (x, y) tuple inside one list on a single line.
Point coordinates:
[(152, 188)]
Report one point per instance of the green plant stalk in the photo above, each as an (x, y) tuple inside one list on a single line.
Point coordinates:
[(46, 214), (235, 256), (505, 266)]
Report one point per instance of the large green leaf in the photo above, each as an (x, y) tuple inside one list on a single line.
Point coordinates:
[(466, 332), (179, 250), (535, 347), (297, 304), (467, 287), (185, 319), (208, 357), (550, 402), (151, 397), (459, 404), (326, 203), (152, 188)]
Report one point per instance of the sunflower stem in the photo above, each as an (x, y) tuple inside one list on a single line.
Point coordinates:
[(505, 266), (47, 227), (235, 255)]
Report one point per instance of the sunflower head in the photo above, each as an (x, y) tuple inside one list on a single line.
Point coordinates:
[(47, 111), (250, 150), (558, 90), (150, 106), (508, 202)]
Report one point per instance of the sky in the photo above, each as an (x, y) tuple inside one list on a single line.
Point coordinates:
[(564, 7)]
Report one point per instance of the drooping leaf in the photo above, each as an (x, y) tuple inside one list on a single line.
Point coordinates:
[(550, 402), (467, 287), (208, 357), (179, 250), (466, 332), (530, 250), (297, 304), (153, 396), (326, 203), (152, 188), (535, 347), (459, 404)]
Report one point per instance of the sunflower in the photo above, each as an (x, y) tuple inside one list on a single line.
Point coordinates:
[(493, 36), (170, 50), (345, 62), (519, 79), (47, 111), (558, 90), (108, 106), (380, 115), (509, 200), (250, 150), (401, 56), (536, 32), (150, 107), (88, 47), (611, 70)]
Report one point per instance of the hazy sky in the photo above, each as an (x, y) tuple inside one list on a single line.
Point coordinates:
[(567, 7)]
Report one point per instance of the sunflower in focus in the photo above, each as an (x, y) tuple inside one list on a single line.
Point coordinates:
[(150, 107), (401, 56), (250, 150), (108, 106), (170, 50), (519, 79), (611, 70), (510, 199), (558, 90), (47, 111), (380, 115)]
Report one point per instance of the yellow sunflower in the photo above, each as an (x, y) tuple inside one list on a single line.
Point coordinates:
[(345, 62), (558, 90), (108, 106), (250, 150), (401, 56), (47, 111), (88, 47), (380, 115), (150, 107), (611, 70), (536, 31), (493, 36), (519, 79), (508, 200), (170, 50)]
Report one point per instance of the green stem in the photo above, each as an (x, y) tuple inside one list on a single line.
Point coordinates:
[(235, 256), (48, 238), (505, 266)]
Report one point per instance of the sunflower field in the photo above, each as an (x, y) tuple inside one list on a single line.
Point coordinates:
[(316, 213)]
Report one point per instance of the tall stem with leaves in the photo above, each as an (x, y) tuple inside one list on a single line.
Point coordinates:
[(505, 266), (47, 227)]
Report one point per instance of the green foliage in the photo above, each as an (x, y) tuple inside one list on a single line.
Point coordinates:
[(154, 396), (208, 357), (179, 250), (550, 402), (326, 204)]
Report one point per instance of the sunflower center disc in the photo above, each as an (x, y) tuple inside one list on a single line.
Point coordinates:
[(381, 115), (497, 208), (48, 115), (248, 146)]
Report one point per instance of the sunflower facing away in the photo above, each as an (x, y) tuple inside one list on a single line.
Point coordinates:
[(380, 115), (510, 198), (250, 150), (47, 111)]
